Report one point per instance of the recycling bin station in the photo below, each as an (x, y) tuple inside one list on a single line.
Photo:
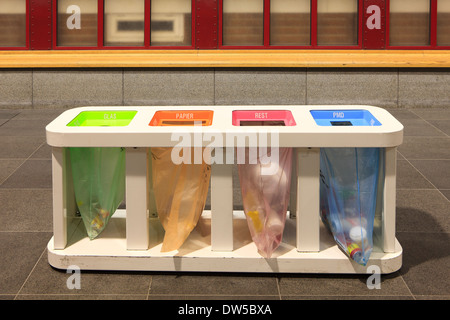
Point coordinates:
[(133, 237)]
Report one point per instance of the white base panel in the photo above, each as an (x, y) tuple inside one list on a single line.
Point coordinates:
[(108, 252)]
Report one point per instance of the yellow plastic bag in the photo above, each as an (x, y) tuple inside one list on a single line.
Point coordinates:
[(180, 195)]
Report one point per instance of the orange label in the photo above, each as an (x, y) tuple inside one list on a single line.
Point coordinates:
[(182, 118)]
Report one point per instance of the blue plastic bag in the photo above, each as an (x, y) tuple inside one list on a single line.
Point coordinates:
[(348, 196)]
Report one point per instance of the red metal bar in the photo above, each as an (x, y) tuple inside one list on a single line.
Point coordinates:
[(433, 23), (40, 25), (220, 24), (314, 23), (374, 24), (266, 21), (193, 22), (27, 41), (205, 24), (147, 25), (54, 23), (387, 28), (360, 22), (100, 15)]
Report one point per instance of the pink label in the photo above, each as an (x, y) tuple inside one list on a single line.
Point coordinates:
[(263, 115)]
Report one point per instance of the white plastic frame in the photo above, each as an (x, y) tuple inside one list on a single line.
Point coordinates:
[(132, 239)]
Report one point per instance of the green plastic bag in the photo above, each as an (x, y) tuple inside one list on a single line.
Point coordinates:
[(99, 184)]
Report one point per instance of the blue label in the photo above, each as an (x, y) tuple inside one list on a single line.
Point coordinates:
[(354, 117)]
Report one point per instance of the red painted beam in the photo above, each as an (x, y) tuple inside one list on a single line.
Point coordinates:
[(40, 27), (206, 24), (374, 24)]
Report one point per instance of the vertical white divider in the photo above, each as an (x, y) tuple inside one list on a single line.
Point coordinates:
[(137, 198), (293, 191), (222, 207), (151, 192), (389, 203), (308, 199), (64, 205)]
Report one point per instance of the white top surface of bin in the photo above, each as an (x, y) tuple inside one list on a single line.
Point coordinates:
[(305, 133)]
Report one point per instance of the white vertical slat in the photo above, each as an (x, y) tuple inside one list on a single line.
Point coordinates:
[(222, 207), (308, 199), (389, 203), (137, 195)]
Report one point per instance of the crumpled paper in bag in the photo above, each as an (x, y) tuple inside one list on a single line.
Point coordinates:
[(265, 198), (180, 195)]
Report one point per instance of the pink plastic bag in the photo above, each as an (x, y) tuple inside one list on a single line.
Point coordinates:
[(265, 195)]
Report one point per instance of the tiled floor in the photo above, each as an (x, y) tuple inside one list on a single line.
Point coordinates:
[(423, 229)]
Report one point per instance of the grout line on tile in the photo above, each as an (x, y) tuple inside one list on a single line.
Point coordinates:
[(40, 146), (424, 232), (348, 295), (149, 287), (419, 136), (404, 158), (29, 274), (425, 159), (123, 87), (444, 296), (212, 295), (13, 159), (398, 87), (278, 287), (306, 86), (32, 88), (409, 290), (431, 124), (39, 159), (8, 120), (78, 296), (1, 182), (26, 231), (416, 189), (435, 188)]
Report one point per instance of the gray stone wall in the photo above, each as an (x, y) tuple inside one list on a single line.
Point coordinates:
[(67, 88)]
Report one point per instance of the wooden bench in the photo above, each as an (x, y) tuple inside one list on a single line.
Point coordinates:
[(226, 58)]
